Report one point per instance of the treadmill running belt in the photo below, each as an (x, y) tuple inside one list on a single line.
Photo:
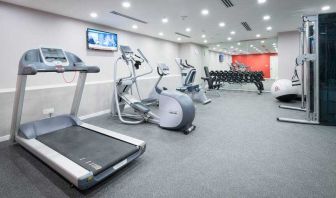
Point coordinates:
[(91, 150)]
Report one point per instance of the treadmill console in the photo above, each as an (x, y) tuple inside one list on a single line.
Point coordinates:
[(54, 57), (52, 60)]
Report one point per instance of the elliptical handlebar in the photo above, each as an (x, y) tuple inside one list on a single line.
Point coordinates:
[(159, 72), (130, 57), (190, 66), (143, 57), (180, 63)]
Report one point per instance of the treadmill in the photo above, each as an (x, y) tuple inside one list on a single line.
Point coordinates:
[(82, 153)]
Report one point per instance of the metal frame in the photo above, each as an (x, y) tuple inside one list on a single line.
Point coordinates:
[(78, 94), (303, 82), (18, 105), (310, 65)]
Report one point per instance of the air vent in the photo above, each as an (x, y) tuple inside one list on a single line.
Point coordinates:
[(227, 3), (246, 26), (180, 34), (129, 17)]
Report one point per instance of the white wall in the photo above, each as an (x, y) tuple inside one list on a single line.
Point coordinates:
[(288, 46), (274, 67), (24, 28), (195, 54), (214, 63)]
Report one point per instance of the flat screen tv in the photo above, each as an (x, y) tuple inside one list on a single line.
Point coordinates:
[(100, 40)]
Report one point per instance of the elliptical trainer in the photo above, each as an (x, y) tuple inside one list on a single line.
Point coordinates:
[(188, 73), (176, 110)]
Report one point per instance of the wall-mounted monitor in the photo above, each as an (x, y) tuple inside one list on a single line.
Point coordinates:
[(101, 40)]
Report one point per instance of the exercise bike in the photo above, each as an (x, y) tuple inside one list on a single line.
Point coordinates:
[(153, 97), (176, 110)]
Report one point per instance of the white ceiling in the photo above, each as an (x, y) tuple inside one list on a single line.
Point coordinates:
[(259, 46), (285, 16)]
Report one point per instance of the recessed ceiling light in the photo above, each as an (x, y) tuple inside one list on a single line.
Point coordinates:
[(258, 35), (161, 34), (261, 1), (267, 17), (229, 38), (218, 45), (164, 20), (93, 15), (179, 38), (232, 32), (126, 4), (238, 43), (188, 29), (269, 28), (262, 41), (205, 41), (274, 44), (205, 12), (203, 35), (134, 26), (231, 47), (214, 48), (325, 8), (221, 24), (251, 45)]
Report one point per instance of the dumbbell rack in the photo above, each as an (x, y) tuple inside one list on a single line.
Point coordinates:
[(238, 77)]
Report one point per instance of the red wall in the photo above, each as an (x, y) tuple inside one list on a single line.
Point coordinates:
[(256, 62)]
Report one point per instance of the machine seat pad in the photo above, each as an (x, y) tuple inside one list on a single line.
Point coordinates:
[(140, 107)]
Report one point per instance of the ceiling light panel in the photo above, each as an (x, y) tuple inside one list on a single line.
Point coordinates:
[(126, 4), (325, 8), (262, 1), (164, 20), (221, 24), (205, 12), (93, 15), (267, 17)]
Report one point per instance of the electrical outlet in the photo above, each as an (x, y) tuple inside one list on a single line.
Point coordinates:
[(48, 111)]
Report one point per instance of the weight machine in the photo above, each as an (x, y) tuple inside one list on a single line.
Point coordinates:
[(318, 46)]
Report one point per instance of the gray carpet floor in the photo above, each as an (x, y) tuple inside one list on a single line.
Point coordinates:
[(237, 150)]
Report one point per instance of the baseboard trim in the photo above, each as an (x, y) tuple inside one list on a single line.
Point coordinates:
[(245, 90), (84, 117), (4, 138)]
